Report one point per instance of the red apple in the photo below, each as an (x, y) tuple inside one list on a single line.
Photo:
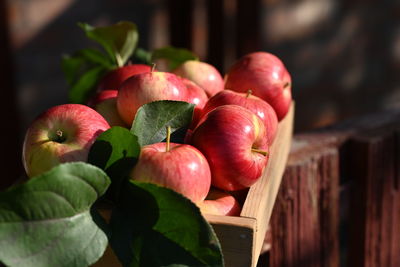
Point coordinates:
[(61, 134), (195, 95), (220, 202), (148, 87), (105, 103), (233, 139), (113, 79), (253, 103), (203, 74), (181, 168), (266, 76)]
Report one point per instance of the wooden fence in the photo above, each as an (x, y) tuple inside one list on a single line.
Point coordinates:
[(339, 201)]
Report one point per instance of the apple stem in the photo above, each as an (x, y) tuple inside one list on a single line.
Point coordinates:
[(153, 67), (249, 93), (263, 152), (286, 85), (168, 138), (59, 136)]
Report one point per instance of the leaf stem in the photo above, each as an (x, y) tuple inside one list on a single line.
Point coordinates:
[(120, 62), (168, 138)]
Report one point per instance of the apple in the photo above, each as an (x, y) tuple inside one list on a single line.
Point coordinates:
[(219, 202), (253, 103), (148, 87), (180, 167), (61, 134), (203, 74), (195, 95), (233, 139), (113, 79), (267, 77), (105, 103)]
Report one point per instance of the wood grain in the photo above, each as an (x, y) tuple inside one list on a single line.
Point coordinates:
[(305, 220), (261, 196)]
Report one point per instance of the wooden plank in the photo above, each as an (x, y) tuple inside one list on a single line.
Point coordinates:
[(236, 235), (261, 196), (305, 221), (375, 204)]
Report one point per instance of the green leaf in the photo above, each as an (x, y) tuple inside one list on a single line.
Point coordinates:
[(47, 221), (96, 57), (143, 56), (155, 226), (174, 56), (152, 119), (115, 151), (85, 86), (119, 40), (76, 65)]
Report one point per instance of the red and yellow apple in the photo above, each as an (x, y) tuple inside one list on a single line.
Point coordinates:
[(203, 74), (253, 103), (61, 134), (233, 139), (219, 202), (197, 96), (105, 103), (267, 77), (145, 88), (179, 167), (113, 79)]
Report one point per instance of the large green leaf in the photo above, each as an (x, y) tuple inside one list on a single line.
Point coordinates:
[(174, 56), (119, 40), (83, 71), (155, 226), (74, 66), (81, 91), (152, 119), (48, 221), (115, 151)]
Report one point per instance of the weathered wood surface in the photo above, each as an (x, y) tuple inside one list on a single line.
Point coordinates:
[(305, 222), (374, 221), (362, 157)]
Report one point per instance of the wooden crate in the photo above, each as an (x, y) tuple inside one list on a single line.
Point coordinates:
[(242, 236)]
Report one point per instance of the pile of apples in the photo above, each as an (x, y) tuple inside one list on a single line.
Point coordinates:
[(226, 148)]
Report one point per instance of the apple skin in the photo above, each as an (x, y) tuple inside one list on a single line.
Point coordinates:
[(105, 103), (253, 103), (267, 77), (220, 202), (43, 148), (195, 95), (183, 169), (113, 79), (203, 74), (145, 88), (227, 136)]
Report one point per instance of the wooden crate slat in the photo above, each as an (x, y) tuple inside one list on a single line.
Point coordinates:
[(262, 195)]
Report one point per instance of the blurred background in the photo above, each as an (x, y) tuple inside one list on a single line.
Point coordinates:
[(344, 56)]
